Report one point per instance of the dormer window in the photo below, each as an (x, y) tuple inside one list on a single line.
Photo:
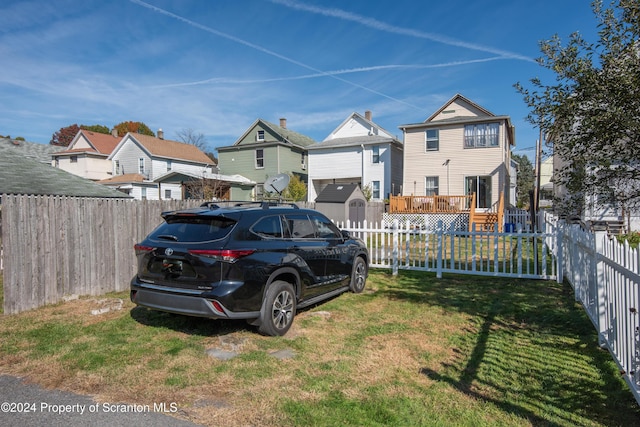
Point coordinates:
[(260, 135)]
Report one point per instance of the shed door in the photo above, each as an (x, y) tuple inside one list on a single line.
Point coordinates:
[(357, 210)]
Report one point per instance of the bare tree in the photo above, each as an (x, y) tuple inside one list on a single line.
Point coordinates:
[(189, 136)]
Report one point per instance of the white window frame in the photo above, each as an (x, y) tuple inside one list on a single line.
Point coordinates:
[(431, 185), (375, 154), (375, 189), (434, 140), (141, 165), (259, 160), (260, 135), (482, 135)]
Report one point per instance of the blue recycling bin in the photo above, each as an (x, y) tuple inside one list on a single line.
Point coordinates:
[(509, 227)]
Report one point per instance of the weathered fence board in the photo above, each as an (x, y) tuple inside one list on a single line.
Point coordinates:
[(58, 246)]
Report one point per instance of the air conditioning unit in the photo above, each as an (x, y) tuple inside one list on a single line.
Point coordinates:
[(303, 166)]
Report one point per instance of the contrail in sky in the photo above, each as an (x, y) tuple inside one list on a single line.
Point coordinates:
[(226, 80), (379, 25), (266, 51)]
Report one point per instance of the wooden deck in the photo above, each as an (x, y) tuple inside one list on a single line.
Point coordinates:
[(484, 219), (429, 204)]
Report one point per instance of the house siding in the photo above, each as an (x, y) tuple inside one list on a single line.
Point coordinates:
[(129, 155), (463, 162)]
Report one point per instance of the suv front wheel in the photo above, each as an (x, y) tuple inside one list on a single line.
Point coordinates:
[(278, 309), (358, 276)]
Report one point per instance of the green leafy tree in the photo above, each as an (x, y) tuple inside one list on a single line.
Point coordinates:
[(96, 128), (65, 135), (367, 190), (591, 113), (524, 180), (133, 127), (296, 190)]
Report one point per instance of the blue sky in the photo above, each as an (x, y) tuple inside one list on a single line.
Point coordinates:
[(215, 66)]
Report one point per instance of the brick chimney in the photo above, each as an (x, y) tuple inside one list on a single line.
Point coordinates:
[(283, 123), (160, 134), (367, 115)]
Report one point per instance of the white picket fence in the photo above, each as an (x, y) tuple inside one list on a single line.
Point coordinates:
[(605, 279), (602, 272), (401, 245)]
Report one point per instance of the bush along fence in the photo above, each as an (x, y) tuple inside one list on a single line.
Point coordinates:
[(602, 272)]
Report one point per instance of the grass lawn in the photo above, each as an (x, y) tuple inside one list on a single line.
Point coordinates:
[(410, 350)]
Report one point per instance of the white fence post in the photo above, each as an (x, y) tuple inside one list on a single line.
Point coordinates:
[(601, 302), (440, 235), (394, 268)]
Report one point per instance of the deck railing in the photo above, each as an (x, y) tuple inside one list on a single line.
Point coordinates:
[(429, 204)]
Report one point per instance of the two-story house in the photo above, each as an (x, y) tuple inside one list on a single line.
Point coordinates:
[(88, 155), (140, 161), (265, 150), (359, 152), (461, 149)]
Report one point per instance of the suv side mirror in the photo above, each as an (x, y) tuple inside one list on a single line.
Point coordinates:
[(345, 234)]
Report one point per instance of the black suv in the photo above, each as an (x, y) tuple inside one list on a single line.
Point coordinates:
[(251, 261)]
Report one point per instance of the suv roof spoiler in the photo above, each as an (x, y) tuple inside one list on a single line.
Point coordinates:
[(263, 204)]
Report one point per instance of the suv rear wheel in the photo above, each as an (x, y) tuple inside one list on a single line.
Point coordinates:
[(358, 276), (278, 309)]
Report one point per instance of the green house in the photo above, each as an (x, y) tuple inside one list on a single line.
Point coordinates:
[(265, 150)]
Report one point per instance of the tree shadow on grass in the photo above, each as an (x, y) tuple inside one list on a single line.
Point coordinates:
[(556, 366)]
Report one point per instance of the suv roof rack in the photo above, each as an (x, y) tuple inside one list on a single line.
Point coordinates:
[(264, 204)]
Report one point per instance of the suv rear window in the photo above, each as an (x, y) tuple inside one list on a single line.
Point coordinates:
[(193, 229)]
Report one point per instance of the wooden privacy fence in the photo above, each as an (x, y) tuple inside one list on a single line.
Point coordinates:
[(59, 246)]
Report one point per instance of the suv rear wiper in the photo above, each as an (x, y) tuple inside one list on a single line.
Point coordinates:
[(168, 237)]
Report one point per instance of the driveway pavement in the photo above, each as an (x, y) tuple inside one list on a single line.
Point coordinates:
[(28, 405)]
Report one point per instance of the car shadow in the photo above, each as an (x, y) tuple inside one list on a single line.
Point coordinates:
[(189, 324)]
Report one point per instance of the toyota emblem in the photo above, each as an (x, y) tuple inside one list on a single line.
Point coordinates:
[(168, 252)]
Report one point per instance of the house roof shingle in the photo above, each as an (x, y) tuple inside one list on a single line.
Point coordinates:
[(336, 193), (23, 175), (39, 152), (172, 149)]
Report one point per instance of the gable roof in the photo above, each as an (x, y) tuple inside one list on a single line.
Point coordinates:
[(283, 135), (38, 152), (166, 148), (484, 118), (457, 97), (379, 130), (22, 175), (337, 193)]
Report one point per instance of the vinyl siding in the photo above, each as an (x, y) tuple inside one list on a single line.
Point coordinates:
[(463, 162)]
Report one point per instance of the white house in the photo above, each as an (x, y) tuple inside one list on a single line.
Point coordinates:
[(357, 152), (138, 160), (88, 155)]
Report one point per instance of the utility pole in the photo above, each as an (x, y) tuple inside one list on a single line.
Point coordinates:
[(536, 187)]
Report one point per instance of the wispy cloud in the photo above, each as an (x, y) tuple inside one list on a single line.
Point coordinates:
[(382, 26), (226, 80), (266, 51)]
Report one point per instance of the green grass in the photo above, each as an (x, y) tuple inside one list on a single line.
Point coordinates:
[(410, 350)]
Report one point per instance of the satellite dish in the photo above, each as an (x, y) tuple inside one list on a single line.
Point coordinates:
[(277, 183)]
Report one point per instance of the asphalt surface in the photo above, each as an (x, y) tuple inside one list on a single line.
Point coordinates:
[(26, 405)]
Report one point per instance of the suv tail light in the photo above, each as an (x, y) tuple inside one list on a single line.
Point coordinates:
[(228, 255), (141, 249)]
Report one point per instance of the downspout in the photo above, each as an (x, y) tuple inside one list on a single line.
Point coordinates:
[(362, 168)]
